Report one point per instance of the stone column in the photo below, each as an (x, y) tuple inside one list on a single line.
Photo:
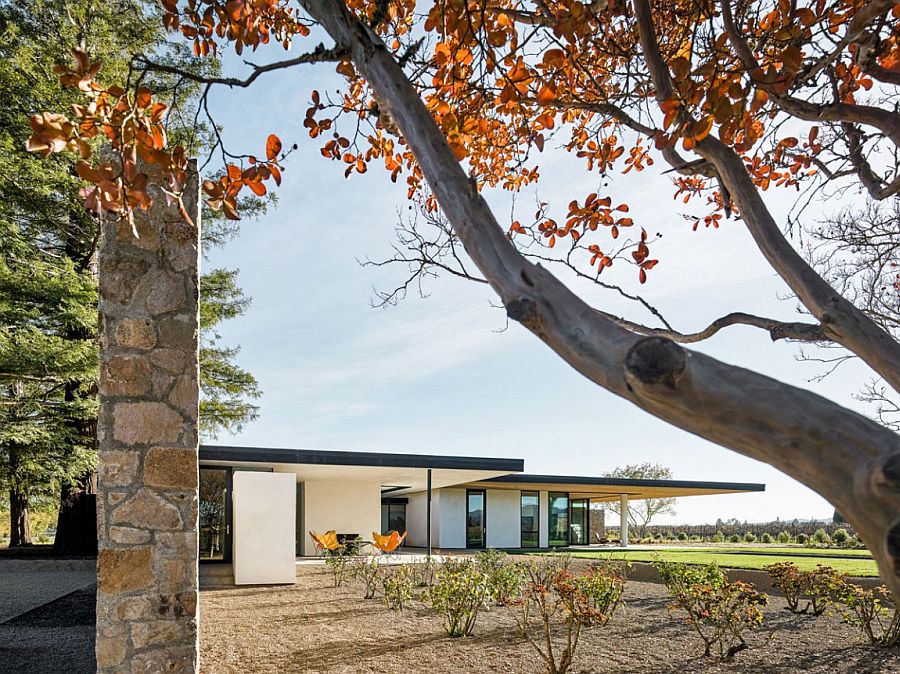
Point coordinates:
[(623, 521), (147, 498)]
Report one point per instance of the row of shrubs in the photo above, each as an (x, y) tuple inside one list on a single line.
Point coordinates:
[(825, 589), (838, 538), (722, 611), (551, 604)]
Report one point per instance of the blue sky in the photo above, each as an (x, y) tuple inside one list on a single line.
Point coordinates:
[(446, 374)]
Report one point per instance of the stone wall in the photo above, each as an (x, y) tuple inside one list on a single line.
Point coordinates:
[(147, 484)]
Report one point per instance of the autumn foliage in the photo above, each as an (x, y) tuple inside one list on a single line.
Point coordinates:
[(800, 90)]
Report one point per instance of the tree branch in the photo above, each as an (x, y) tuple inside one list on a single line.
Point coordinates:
[(801, 332), (851, 460), (319, 55), (877, 188), (841, 321), (886, 121)]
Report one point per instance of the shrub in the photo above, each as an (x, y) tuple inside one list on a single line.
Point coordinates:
[(734, 538), (682, 536), (719, 610), (552, 595), (458, 591), (867, 611), (425, 572), (750, 537), (785, 576), (504, 576), (339, 563), (821, 537), (398, 585), (368, 570), (766, 537), (817, 589), (718, 537), (802, 538), (840, 537), (784, 537)]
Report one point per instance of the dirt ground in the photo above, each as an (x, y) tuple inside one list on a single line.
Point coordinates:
[(315, 627)]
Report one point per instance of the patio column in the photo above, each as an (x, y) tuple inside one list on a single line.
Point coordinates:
[(147, 495), (623, 522), (428, 513)]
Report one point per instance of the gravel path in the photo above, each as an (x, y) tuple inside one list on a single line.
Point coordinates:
[(314, 627), (56, 638), (26, 584)]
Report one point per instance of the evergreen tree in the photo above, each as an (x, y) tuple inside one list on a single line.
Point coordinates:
[(48, 245)]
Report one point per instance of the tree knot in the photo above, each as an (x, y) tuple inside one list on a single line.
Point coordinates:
[(890, 470), (893, 546), (656, 360), (524, 311)]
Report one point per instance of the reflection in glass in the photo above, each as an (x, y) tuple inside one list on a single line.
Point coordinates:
[(475, 519), (213, 489), (559, 519), (393, 517), (578, 527), (530, 518)]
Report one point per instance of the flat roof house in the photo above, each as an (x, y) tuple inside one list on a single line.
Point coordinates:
[(257, 504)]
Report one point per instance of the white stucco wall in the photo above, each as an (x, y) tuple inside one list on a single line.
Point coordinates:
[(504, 522), (264, 509), (345, 506), (452, 518), (416, 517), (544, 537)]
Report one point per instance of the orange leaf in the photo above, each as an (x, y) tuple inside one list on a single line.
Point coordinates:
[(273, 147), (546, 95)]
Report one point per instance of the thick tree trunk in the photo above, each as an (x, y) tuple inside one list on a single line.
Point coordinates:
[(850, 460), (19, 519), (76, 524)]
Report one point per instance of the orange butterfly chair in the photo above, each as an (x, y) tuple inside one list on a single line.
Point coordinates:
[(388, 543), (326, 542)]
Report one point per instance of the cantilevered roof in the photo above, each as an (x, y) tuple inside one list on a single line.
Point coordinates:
[(611, 488), (397, 473)]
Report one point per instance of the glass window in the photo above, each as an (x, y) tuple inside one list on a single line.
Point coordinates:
[(475, 518), (578, 522), (531, 513), (397, 517), (559, 519), (213, 512), (393, 517)]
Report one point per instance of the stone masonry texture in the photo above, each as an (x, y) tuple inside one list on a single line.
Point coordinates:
[(147, 575)]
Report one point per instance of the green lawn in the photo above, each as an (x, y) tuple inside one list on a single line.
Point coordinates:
[(741, 558)]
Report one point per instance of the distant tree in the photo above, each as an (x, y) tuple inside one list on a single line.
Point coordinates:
[(48, 245), (642, 512)]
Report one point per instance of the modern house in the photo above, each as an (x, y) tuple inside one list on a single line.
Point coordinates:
[(257, 504)]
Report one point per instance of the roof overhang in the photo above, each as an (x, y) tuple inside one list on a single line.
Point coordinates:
[(396, 473), (611, 489)]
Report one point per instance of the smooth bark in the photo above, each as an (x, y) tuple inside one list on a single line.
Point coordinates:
[(849, 459)]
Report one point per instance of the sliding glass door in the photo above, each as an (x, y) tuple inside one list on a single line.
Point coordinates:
[(578, 521), (475, 518), (531, 509), (559, 519), (215, 514)]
